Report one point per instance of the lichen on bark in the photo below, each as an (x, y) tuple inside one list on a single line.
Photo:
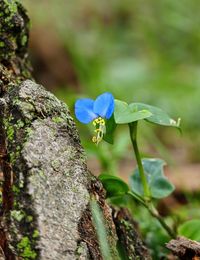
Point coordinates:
[(14, 35), (52, 185)]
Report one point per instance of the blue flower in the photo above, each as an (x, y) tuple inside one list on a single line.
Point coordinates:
[(88, 110)]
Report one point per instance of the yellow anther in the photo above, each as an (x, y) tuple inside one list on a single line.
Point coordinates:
[(99, 124), (94, 139), (102, 122)]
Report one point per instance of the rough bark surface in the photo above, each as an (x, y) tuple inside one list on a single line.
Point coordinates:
[(130, 242), (184, 248), (47, 187), (51, 182)]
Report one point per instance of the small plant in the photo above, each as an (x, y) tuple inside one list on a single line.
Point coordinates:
[(148, 182)]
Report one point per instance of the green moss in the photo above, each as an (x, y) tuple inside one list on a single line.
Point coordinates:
[(24, 40), (75, 189), (9, 128), (42, 174), (55, 164), (12, 7), (18, 215), (18, 148), (15, 189), (21, 183), (25, 249), (12, 157), (35, 234), (126, 224), (29, 130), (58, 119), (15, 204), (14, 27), (19, 124), (29, 218), (10, 132), (79, 250), (1, 198)]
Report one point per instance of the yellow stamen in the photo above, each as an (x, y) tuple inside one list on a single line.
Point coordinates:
[(102, 122), (94, 139), (99, 123)]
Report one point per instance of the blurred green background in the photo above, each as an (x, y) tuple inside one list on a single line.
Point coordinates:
[(142, 51), (146, 51)]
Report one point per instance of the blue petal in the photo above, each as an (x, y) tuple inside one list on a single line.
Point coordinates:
[(104, 105), (84, 110)]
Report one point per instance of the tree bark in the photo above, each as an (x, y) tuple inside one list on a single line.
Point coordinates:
[(130, 241), (184, 248), (47, 187)]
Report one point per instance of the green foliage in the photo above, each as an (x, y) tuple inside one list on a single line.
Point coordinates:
[(114, 186), (110, 129), (24, 247), (100, 227), (155, 237), (158, 116), (125, 114), (159, 185), (190, 229)]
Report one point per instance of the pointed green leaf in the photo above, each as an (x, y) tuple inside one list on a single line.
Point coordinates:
[(110, 129), (125, 114), (159, 185), (190, 229), (158, 116), (113, 185)]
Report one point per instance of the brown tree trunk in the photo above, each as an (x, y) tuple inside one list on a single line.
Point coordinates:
[(46, 185)]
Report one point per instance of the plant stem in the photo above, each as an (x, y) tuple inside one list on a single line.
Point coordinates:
[(147, 195), (133, 136), (153, 211)]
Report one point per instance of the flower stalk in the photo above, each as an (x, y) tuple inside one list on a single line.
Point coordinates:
[(133, 136), (147, 194)]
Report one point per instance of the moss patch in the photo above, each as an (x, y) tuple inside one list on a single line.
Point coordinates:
[(25, 249)]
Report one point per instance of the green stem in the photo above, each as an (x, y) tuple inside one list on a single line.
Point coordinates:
[(137, 197), (133, 136), (147, 195), (153, 211)]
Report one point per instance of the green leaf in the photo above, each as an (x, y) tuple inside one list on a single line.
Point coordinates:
[(190, 229), (113, 185), (100, 227), (158, 116), (159, 185), (124, 114), (110, 129)]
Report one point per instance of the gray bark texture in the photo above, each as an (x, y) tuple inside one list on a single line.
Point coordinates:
[(47, 187), (50, 179), (184, 248)]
